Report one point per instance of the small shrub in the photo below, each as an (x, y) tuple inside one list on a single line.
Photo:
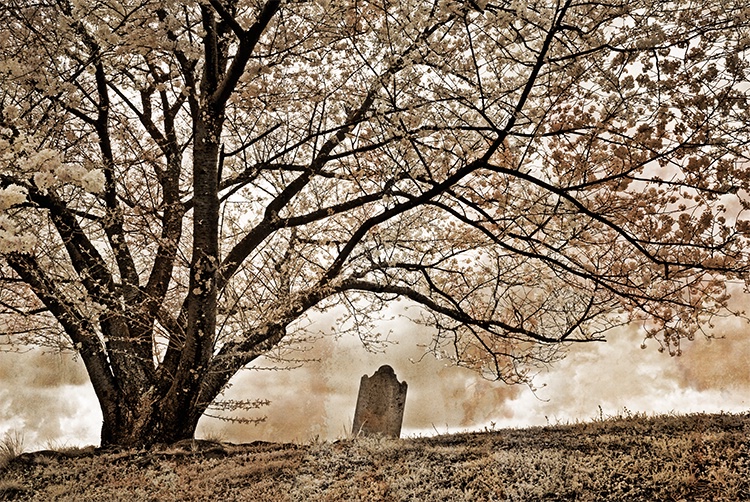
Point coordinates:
[(11, 446), (214, 436), (70, 451), (10, 488)]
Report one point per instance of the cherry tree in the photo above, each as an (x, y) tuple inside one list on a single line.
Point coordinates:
[(183, 184)]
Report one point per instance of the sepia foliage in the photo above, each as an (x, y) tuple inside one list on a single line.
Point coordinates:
[(183, 183)]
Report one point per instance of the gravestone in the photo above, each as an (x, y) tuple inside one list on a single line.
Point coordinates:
[(380, 404)]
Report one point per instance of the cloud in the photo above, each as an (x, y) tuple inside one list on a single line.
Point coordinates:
[(39, 369), (318, 399), (49, 398), (709, 376), (611, 378), (722, 363)]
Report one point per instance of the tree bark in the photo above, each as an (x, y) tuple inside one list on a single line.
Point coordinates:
[(148, 423)]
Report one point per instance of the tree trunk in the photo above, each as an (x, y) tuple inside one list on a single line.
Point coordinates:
[(148, 423)]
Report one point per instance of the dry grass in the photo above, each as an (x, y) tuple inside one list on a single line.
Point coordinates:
[(690, 458), (11, 446)]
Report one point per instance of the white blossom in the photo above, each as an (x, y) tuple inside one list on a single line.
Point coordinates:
[(11, 112), (44, 180), (11, 240), (11, 196), (43, 160), (93, 181)]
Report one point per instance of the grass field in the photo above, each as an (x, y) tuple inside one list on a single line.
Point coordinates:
[(627, 458)]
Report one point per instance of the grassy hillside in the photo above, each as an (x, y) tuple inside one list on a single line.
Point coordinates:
[(669, 458)]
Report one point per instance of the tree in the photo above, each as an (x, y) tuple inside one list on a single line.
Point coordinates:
[(183, 183)]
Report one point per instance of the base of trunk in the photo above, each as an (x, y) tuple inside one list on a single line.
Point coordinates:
[(147, 430)]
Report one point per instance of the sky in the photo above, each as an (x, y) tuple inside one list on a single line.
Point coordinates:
[(47, 396)]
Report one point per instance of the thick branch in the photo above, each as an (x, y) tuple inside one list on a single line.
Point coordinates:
[(81, 332), (248, 41)]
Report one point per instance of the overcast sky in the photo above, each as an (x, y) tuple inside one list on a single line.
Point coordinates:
[(49, 399)]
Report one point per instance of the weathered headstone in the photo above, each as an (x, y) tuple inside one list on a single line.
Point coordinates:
[(380, 404)]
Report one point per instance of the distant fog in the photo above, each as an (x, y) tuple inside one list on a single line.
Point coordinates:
[(48, 397)]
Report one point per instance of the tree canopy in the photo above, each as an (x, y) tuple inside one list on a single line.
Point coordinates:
[(182, 184)]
